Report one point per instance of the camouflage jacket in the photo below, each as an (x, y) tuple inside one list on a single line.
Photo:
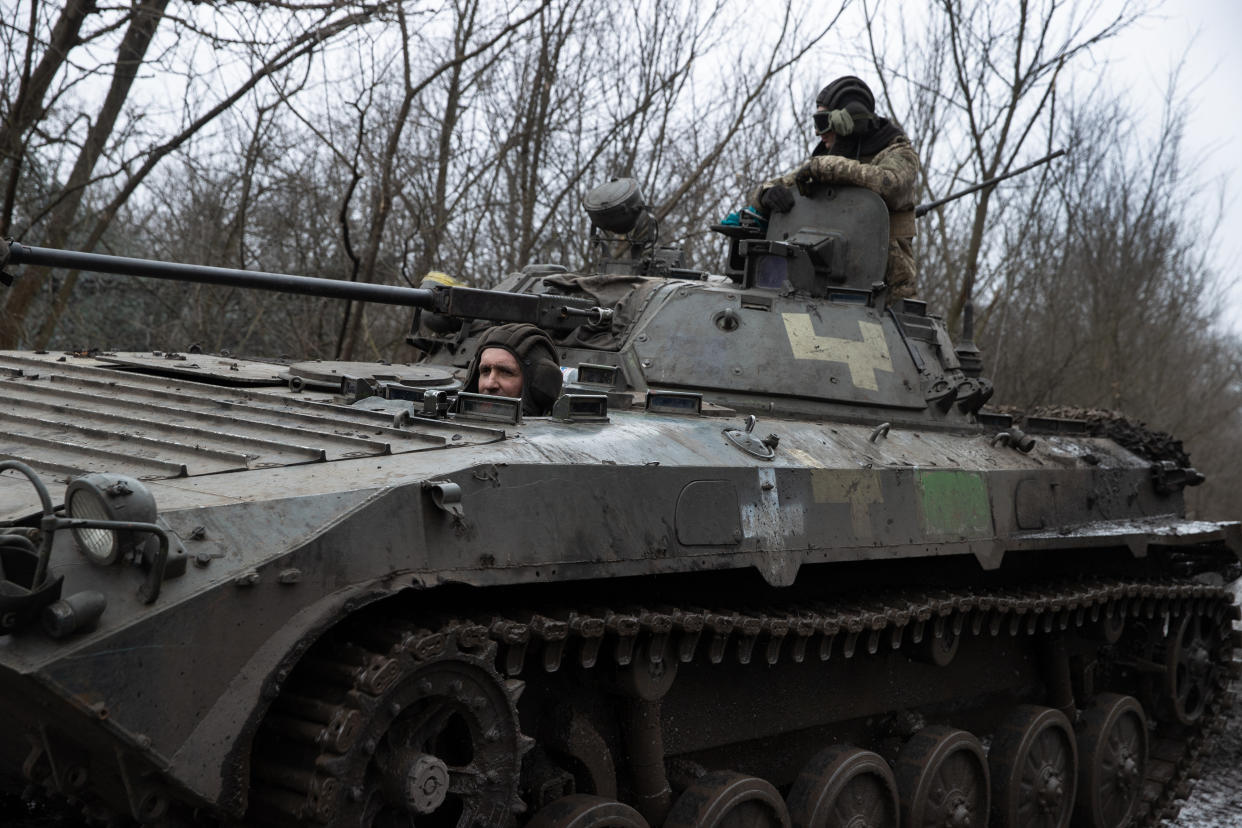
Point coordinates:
[(893, 173)]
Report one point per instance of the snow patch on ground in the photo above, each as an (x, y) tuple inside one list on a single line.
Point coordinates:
[(1216, 801)]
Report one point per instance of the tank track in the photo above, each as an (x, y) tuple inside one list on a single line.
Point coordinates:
[(321, 706)]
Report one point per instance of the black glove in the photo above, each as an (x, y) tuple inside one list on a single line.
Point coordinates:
[(778, 199)]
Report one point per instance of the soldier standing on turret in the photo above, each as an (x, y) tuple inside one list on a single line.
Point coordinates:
[(858, 148)]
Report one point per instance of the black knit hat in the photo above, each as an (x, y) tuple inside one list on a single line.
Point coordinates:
[(535, 353), (846, 90)]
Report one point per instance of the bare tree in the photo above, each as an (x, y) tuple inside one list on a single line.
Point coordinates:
[(27, 82), (304, 44), (384, 191), (986, 77), (633, 104), (131, 53), (112, 135)]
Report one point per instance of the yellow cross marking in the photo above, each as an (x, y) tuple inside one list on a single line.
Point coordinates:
[(859, 489), (864, 357)]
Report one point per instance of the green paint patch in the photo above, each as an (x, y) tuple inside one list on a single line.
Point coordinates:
[(954, 504)]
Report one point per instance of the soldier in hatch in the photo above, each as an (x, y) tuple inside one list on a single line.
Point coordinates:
[(517, 360), (858, 148)]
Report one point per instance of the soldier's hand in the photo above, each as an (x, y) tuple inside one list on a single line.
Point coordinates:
[(777, 199)]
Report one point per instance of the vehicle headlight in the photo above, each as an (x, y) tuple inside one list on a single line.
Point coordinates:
[(111, 498)]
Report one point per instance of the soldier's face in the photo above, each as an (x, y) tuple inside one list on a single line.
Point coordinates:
[(499, 373)]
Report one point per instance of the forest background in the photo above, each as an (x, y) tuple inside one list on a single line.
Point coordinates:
[(378, 141)]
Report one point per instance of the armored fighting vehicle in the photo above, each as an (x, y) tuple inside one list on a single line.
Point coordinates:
[(768, 561)]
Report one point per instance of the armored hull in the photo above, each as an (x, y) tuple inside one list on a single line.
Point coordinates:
[(767, 559)]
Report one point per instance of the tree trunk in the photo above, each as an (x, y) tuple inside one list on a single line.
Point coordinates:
[(130, 55), (28, 106)]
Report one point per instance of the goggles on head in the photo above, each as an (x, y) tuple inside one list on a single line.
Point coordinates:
[(838, 121), (822, 121)]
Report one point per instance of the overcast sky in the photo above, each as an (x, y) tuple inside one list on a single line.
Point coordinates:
[(1208, 35)]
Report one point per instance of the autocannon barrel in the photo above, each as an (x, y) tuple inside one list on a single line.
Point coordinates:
[(284, 283), (923, 209), (472, 303)]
